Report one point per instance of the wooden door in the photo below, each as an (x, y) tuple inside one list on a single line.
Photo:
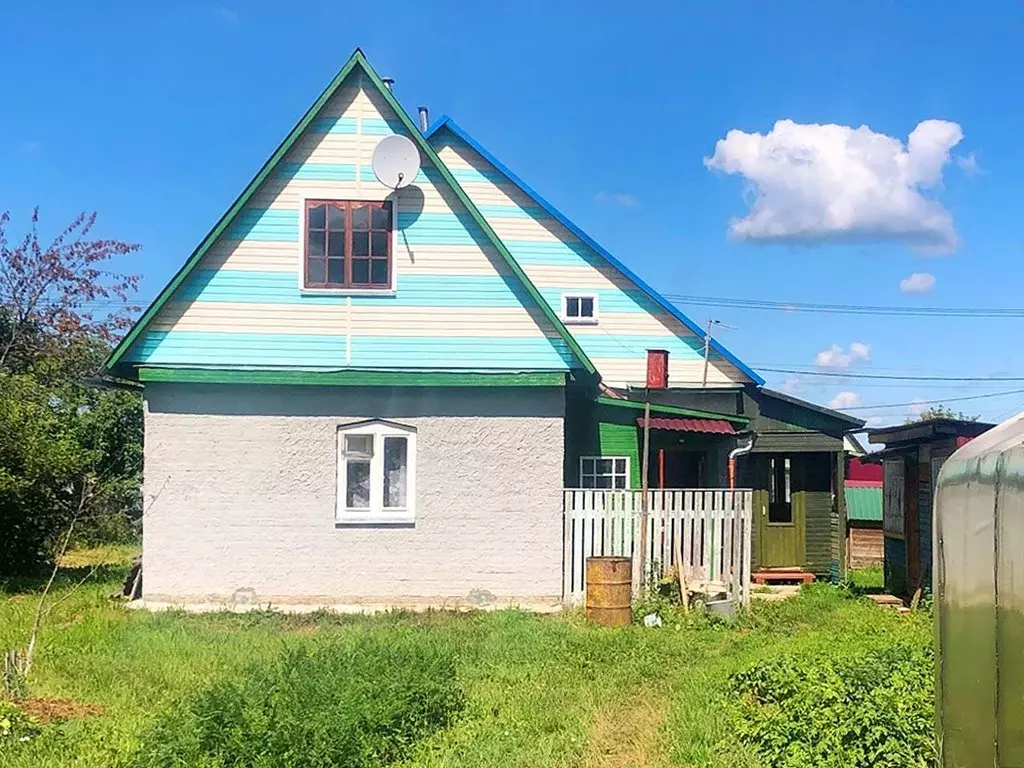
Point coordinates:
[(910, 524), (782, 515)]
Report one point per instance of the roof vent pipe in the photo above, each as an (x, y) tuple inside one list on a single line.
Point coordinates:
[(424, 119), (389, 83)]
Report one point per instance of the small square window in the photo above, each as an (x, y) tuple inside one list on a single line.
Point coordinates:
[(341, 238), (579, 309)]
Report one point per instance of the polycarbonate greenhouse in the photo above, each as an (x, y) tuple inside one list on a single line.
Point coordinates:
[(979, 593)]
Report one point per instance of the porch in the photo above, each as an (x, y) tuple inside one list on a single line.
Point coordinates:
[(708, 528)]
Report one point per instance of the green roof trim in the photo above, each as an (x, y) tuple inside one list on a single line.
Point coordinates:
[(863, 504), (673, 410), (357, 59), (350, 378)]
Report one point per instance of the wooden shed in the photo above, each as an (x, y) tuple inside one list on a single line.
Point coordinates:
[(796, 467), (913, 455)]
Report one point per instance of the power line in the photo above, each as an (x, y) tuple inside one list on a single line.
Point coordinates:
[(850, 309), (943, 401), (892, 377)]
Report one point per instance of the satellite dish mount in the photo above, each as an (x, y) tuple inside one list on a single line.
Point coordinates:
[(395, 161)]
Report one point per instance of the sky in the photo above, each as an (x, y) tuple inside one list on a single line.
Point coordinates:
[(862, 154)]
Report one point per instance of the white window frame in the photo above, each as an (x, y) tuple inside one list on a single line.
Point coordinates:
[(377, 513), (326, 193), (596, 474), (579, 320)]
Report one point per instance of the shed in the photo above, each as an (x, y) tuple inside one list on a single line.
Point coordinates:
[(913, 455)]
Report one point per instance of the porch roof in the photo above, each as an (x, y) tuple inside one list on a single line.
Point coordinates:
[(707, 426), (675, 410)]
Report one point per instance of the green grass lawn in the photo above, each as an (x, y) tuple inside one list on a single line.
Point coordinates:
[(540, 691)]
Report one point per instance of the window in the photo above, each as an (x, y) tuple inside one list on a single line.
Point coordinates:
[(892, 498), (579, 309), (780, 492), (604, 472), (348, 244), (376, 473)]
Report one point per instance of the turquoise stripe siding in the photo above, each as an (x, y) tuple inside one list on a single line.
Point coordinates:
[(376, 126), (333, 125), (309, 351), (468, 175), (624, 346), (317, 171), (553, 253), (265, 224), (439, 229), (482, 291)]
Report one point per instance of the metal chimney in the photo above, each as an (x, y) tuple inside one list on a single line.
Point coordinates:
[(424, 119), (389, 83)]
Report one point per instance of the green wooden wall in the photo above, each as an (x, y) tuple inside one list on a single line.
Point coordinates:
[(599, 430)]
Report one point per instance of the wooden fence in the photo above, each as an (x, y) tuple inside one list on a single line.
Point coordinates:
[(712, 525)]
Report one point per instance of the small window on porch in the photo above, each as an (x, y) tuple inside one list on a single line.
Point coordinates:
[(780, 504), (604, 472)]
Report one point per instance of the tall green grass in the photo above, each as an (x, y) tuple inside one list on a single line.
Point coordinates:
[(537, 691)]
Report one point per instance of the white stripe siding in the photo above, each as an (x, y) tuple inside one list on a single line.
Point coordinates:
[(353, 104), (621, 372), (334, 319), (629, 369)]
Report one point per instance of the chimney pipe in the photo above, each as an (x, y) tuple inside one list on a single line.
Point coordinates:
[(389, 83), (424, 119)]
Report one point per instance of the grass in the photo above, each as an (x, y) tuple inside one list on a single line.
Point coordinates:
[(867, 580), (540, 691)]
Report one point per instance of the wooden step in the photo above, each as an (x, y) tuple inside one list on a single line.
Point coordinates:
[(779, 575)]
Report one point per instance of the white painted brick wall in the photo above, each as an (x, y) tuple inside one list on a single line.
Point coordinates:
[(240, 494)]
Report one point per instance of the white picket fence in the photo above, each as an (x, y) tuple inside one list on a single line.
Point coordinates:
[(712, 525)]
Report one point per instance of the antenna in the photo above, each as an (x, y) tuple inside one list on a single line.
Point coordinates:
[(707, 345), (395, 161)]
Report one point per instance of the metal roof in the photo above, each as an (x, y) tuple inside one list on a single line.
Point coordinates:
[(707, 426), (864, 502)]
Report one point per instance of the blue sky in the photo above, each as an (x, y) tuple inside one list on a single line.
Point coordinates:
[(156, 115)]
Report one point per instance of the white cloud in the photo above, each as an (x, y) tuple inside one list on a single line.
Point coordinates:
[(618, 198), (792, 386), (969, 164), (919, 282), (876, 421), (226, 15), (844, 400), (836, 357), (815, 183), (917, 406)]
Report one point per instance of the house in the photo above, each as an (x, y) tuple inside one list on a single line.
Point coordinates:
[(865, 544), (913, 455), (362, 396)]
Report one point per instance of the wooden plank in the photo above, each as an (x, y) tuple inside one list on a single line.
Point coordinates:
[(567, 546), (745, 559)]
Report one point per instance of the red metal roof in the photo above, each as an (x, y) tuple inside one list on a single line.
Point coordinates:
[(714, 426), (859, 470)]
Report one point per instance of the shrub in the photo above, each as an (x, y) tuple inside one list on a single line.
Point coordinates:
[(865, 708), (15, 726), (362, 704)]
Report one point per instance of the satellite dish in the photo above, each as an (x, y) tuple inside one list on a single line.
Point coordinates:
[(396, 161)]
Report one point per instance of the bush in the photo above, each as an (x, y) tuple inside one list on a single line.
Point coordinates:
[(363, 704), (15, 726), (866, 708)]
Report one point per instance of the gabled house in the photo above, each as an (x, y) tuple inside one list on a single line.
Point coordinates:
[(365, 396)]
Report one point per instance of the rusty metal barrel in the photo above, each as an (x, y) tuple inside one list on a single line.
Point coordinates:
[(610, 591)]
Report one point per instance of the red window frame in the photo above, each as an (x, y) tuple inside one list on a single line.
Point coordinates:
[(358, 270)]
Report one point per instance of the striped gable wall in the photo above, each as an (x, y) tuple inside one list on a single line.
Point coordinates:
[(555, 260), (455, 305)]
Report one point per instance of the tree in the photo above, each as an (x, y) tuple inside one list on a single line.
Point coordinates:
[(61, 307), (52, 296), (939, 412)]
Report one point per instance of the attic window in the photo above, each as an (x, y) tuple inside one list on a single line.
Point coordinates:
[(348, 245), (579, 308)]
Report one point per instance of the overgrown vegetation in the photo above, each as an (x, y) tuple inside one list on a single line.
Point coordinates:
[(68, 452), (840, 708), (365, 703), (536, 691)]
